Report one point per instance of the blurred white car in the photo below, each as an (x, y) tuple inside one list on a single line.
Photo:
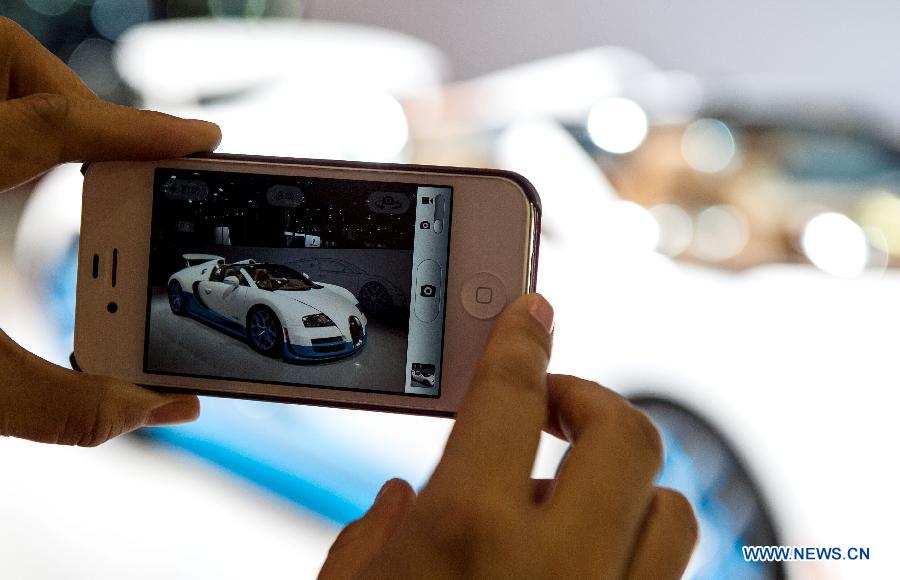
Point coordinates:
[(793, 365), (376, 293)]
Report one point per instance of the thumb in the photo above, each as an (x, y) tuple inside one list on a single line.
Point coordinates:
[(360, 541), (49, 404)]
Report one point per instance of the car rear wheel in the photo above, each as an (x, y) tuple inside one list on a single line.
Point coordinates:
[(374, 298), (176, 297), (264, 332)]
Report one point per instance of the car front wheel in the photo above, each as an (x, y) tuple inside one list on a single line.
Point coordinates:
[(176, 297), (264, 332)]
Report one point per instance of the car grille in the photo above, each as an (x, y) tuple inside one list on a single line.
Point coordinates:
[(329, 340), (330, 348)]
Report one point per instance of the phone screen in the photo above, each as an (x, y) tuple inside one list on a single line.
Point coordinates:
[(298, 280)]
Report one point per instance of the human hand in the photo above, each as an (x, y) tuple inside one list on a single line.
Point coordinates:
[(481, 516), (49, 404), (48, 116)]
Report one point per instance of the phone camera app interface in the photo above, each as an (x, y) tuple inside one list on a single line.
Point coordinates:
[(299, 281)]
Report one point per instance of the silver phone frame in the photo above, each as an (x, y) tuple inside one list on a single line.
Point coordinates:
[(116, 214)]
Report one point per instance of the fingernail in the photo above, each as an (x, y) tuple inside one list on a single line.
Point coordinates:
[(542, 311), (178, 411), (210, 128), (385, 489)]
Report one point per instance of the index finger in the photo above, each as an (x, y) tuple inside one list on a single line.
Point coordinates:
[(26, 67), (605, 485), (51, 129), (499, 424)]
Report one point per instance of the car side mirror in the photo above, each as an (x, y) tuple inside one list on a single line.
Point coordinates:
[(233, 280)]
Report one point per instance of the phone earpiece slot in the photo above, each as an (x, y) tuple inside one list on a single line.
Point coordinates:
[(95, 268), (115, 267)]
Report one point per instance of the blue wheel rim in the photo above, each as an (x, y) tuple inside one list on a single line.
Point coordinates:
[(262, 330)]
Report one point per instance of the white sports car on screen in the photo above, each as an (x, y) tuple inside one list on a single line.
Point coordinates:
[(279, 311), (423, 377)]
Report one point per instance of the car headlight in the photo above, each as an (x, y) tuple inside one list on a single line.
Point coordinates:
[(317, 321)]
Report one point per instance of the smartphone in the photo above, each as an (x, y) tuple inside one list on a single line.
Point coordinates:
[(334, 283)]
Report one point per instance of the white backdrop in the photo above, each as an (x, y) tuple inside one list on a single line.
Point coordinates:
[(844, 48)]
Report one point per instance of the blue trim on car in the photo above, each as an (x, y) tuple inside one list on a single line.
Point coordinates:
[(290, 352), (319, 472), (299, 352), (196, 309)]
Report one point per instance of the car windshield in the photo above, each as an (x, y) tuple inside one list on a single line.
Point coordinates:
[(276, 277)]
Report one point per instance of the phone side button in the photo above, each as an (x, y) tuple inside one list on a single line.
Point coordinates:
[(483, 295)]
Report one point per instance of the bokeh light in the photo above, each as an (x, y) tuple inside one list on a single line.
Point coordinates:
[(50, 7), (720, 233), (836, 244), (708, 145), (92, 60), (617, 125), (375, 126), (881, 211), (113, 17), (628, 227), (879, 258), (676, 230)]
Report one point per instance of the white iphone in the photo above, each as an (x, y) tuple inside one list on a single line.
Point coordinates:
[(321, 282)]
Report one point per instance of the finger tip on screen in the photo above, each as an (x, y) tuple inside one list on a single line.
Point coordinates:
[(177, 411)]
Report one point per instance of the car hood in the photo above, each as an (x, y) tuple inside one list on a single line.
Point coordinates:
[(335, 306)]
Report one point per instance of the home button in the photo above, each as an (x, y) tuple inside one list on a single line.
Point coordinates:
[(483, 295)]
